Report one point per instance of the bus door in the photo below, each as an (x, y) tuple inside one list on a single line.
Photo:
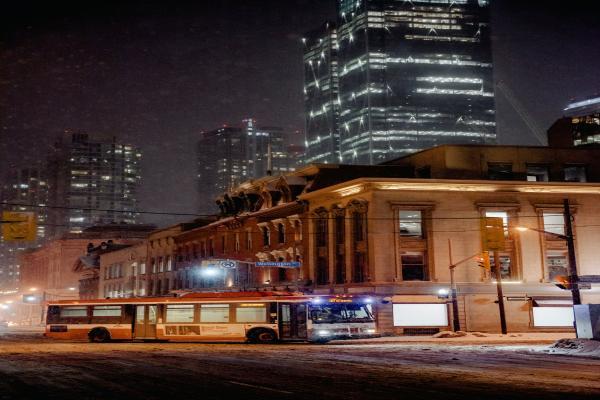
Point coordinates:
[(145, 322), (292, 320)]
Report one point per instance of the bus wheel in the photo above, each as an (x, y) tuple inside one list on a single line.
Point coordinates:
[(99, 335), (262, 336)]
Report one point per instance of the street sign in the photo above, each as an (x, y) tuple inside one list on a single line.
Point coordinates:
[(492, 233), (220, 263), (279, 264), (19, 226)]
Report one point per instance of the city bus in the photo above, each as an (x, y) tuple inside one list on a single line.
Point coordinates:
[(256, 317)]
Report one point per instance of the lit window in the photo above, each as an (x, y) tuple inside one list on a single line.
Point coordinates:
[(411, 223)]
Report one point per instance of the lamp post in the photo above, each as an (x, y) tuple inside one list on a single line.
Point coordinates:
[(572, 265)]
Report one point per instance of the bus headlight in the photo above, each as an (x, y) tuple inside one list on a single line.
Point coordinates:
[(371, 330), (323, 333)]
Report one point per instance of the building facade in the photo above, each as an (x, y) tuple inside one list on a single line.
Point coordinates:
[(93, 180), (411, 75), (579, 127), (61, 268)]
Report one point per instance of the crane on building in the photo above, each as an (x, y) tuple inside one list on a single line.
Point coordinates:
[(539, 134)]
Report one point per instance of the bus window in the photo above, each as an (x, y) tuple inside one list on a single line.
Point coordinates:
[(180, 313), (335, 313), (106, 311), (251, 313), (74, 315), (214, 313), (106, 314), (53, 315)]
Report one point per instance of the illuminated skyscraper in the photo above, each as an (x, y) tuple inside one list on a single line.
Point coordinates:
[(93, 180), (229, 156), (321, 95), (25, 189), (411, 74)]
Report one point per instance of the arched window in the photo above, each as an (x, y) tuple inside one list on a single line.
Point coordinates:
[(266, 235), (280, 233), (358, 214)]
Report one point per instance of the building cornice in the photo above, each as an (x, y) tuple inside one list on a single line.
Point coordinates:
[(362, 185)]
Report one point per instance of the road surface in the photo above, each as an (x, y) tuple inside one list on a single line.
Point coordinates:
[(32, 367)]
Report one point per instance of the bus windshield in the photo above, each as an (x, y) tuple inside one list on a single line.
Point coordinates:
[(336, 313)]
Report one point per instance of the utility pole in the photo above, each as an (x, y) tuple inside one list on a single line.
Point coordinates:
[(573, 277), (498, 274), (455, 319)]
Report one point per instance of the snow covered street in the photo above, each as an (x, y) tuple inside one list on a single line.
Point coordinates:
[(32, 366)]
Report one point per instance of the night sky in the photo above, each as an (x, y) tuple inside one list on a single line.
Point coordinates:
[(156, 74)]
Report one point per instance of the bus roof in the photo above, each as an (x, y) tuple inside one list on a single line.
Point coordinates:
[(194, 296)]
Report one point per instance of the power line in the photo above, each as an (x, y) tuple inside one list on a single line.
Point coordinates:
[(105, 210)]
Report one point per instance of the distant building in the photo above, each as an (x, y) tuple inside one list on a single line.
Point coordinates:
[(25, 189), (55, 270), (230, 155), (579, 127), (94, 180), (395, 77)]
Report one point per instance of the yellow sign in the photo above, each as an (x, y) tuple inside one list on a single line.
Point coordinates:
[(492, 233), (19, 226)]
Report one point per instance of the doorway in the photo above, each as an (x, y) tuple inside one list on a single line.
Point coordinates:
[(145, 322), (292, 321)]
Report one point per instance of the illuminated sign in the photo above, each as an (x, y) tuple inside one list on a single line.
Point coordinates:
[(279, 264), (219, 263), (339, 300)]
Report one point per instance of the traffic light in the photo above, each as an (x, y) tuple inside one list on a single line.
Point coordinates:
[(562, 282), (484, 260)]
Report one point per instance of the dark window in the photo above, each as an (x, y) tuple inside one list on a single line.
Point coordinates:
[(414, 267), (358, 221), (340, 254), (575, 173), (500, 171), (423, 172), (322, 270), (340, 229), (266, 236), (537, 173), (280, 233), (321, 232), (358, 274)]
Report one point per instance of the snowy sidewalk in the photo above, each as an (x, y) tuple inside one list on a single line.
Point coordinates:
[(469, 338)]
